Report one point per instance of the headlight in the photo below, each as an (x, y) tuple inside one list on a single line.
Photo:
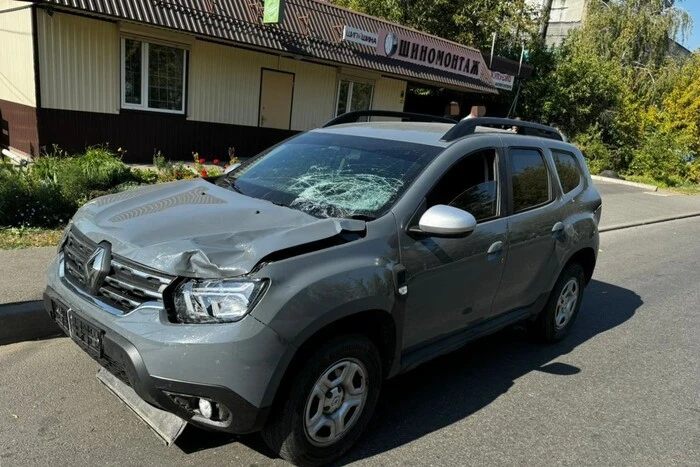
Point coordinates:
[(216, 301)]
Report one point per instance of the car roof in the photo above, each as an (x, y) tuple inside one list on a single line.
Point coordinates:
[(409, 132)]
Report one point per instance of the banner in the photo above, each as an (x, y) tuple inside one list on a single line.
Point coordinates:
[(272, 13), (503, 81), (359, 36)]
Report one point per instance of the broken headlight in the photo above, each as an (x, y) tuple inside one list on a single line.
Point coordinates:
[(216, 301)]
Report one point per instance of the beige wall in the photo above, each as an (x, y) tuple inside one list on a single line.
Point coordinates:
[(78, 63), (314, 93), (389, 94), (225, 86), (16, 55)]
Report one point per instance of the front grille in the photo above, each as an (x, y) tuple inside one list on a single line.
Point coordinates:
[(127, 285)]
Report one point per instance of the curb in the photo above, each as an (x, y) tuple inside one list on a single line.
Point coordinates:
[(25, 321), (625, 182), (649, 222)]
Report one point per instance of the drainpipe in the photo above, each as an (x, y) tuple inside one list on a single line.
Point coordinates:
[(546, 12)]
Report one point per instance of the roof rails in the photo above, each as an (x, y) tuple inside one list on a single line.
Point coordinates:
[(468, 127), (353, 117)]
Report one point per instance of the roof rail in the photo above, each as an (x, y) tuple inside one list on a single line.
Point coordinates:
[(353, 117), (468, 127)]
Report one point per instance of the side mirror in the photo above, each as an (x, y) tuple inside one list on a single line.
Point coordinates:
[(445, 221)]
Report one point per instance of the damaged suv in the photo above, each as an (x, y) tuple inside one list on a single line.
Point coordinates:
[(279, 297)]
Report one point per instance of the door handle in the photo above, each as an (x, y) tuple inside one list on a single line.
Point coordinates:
[(495, 248)]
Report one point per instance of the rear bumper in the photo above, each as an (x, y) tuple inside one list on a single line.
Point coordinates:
[(121, 358)]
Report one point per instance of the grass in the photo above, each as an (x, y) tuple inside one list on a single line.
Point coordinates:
[(685, 188), (16, 238)]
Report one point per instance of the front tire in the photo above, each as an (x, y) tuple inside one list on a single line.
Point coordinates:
[(329, 404), (555, 320)]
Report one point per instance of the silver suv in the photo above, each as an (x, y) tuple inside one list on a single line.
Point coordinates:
[(279, 297)]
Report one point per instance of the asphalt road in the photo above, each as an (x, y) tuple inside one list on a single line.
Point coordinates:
[(623, 389)]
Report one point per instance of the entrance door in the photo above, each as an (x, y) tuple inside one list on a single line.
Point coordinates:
[(276, 91)]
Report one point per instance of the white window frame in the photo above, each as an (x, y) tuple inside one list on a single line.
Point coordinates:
[(352, 81), (145, 43)]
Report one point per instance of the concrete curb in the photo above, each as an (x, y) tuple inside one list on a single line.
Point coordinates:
[(625, 182), (25, 321), (658, 220)]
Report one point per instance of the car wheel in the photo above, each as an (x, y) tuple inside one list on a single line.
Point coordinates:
[(557, 317), (329, 404)]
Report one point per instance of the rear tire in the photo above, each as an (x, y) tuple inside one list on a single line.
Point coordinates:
[(560, 312), (329, 404)]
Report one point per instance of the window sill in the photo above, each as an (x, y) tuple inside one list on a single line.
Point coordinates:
[(174, 113)]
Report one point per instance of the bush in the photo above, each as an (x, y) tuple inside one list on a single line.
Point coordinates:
[(27, 201), (661, 156)]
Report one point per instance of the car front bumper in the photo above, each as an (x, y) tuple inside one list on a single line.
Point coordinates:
[(231, 364)]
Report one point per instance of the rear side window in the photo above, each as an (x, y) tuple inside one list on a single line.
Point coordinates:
[(530, 179), (568, 170)]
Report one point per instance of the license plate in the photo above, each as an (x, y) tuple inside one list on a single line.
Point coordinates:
[(83, 333)]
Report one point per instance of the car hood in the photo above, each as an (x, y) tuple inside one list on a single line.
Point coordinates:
[(197, 229)]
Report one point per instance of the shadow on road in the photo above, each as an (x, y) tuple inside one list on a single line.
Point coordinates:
[(424, 400)]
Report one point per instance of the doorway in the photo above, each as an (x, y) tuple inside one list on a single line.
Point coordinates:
[(276, 94)]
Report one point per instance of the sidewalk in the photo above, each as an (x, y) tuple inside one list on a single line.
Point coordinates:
[(626, 206), (22, 316)]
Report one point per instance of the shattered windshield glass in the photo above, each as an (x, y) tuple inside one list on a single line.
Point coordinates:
[(330, 175)]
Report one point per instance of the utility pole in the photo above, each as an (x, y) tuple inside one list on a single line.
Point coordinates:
[(546, 12)]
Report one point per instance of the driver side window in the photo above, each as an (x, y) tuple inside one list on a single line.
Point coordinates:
[(471, 185)]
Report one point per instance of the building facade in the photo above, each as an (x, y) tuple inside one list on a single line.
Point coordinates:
[(183, 76), (564, 16)]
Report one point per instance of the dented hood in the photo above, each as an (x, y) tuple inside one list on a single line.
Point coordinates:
[(197, 229)]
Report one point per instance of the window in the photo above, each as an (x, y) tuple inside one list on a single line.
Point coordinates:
[(568, 169), (353, 95), (153, 76), (331, 175), (470, 185), (530, 179)]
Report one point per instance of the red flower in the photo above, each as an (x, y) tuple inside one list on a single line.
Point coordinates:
[(204, 173), (202, 160), (177, 173), (216, 161)]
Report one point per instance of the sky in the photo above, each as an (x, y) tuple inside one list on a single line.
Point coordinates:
[(692, 42)]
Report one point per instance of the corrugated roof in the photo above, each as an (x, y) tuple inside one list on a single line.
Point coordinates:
[(310, 28)]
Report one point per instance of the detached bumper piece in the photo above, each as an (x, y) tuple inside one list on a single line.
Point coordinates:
[(165, 424), (153, 398)]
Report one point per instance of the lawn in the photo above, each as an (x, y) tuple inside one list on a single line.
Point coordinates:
[(15, 238)]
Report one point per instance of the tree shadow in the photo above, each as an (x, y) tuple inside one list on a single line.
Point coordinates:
[(413, 405)]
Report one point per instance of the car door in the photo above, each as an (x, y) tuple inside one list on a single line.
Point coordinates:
[(452, 281), (534, 225)]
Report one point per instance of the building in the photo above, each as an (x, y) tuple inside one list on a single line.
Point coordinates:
[(564, 16), (180, 76)]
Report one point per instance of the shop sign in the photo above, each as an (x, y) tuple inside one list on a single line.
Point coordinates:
[(359, 36), (421, 52), (272, 12), (503, 81)]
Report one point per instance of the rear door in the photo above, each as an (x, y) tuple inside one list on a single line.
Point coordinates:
[(534, 227)]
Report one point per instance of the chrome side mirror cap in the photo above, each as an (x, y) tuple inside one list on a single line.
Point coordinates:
[(445, 221)]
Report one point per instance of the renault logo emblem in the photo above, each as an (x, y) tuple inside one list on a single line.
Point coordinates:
[(97, 267)]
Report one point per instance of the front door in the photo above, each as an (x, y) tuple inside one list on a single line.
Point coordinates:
[(452, 282), (276, 92)]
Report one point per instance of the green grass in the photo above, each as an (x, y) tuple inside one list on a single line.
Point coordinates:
[(684, 188), (17, 238)]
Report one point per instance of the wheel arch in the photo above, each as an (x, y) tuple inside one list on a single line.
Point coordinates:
[(378, 325)]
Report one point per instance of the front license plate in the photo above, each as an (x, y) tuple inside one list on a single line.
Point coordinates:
[(83, 333)]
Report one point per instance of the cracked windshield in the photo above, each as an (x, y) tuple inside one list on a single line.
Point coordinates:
[(333, 175)]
